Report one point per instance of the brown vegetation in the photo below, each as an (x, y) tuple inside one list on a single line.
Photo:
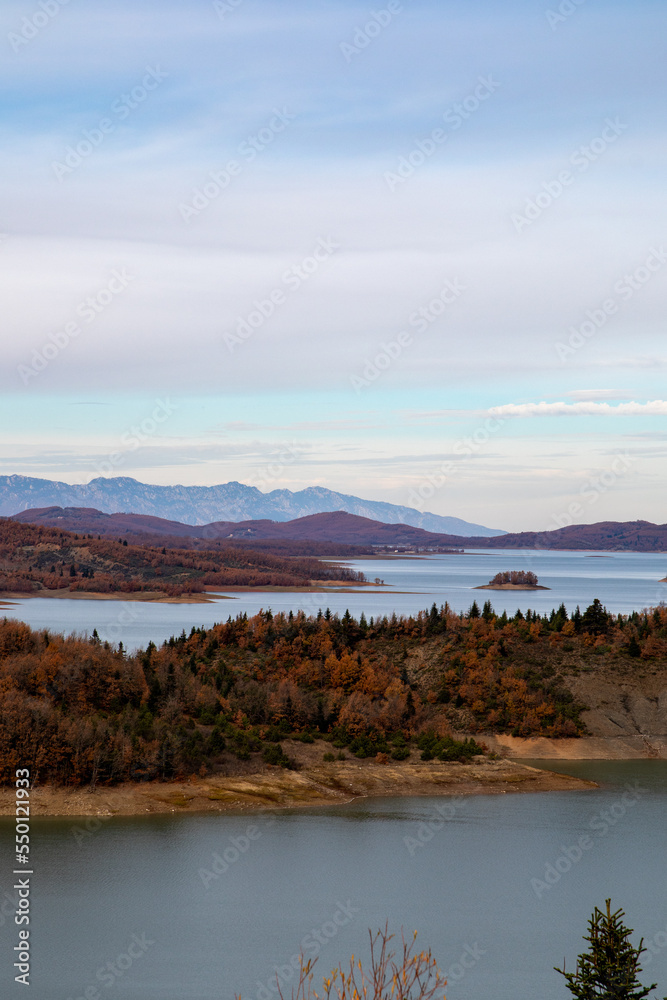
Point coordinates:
[(39, 558), (78, 711)]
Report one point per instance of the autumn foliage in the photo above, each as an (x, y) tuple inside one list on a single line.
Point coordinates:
[(35, 558), (77, 710)]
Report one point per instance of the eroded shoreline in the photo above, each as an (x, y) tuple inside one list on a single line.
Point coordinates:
[(273, 788)]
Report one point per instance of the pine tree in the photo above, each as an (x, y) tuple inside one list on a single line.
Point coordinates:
[(608, 970)]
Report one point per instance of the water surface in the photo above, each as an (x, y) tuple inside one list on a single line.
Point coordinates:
[(473, 887), (622, 581)]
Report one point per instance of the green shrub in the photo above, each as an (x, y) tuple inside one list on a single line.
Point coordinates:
[(274, 754)]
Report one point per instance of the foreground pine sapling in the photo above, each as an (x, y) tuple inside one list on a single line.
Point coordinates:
[(608, 970)]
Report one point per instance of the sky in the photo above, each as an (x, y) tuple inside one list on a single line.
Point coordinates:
[(414, 251)]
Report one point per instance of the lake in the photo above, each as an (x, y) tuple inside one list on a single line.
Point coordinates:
[(474, 889), (623, 581)]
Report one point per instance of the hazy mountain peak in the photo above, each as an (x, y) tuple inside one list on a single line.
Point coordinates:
[(232, 501)]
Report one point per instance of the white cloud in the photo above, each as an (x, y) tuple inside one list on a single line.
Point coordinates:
[(654, 408)]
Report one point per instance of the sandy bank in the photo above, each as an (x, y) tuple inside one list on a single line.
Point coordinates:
[(158, 597), (585, 748), (273, 788), (152, 596)]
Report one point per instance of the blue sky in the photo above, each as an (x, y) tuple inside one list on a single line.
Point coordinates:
[(339, 245)]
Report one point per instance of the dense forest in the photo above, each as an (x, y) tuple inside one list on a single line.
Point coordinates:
[(78, 710), (36, 558)]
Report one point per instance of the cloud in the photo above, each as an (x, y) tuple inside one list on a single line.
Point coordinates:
[(655, 408), (610, 395)]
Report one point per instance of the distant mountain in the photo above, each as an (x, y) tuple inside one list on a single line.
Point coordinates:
[(337, 526), (349, 529), (226, 502)]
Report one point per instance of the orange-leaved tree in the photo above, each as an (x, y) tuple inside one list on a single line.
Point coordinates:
[(412, 975)]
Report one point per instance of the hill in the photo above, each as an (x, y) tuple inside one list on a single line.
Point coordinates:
[(251, 690), (338, 528), (225, 502), (611, 536), (42, 560)]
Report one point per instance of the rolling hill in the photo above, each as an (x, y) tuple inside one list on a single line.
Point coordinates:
[(341, 528), (336, 527)]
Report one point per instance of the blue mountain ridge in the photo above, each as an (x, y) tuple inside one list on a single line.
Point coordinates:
[(225, 502)]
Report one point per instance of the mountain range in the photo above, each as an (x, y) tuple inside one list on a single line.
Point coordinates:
[(341, 527), (225, 502)]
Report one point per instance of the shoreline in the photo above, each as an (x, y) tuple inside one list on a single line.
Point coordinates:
[(320, 784), (159, 597)]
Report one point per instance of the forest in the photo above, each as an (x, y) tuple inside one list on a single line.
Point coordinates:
[(81, 711), (39, 558)]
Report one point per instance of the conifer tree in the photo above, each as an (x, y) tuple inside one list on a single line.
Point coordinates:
[(608, 970)]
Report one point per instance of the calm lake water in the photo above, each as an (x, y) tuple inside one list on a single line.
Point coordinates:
[(476, 890), (622, 581)]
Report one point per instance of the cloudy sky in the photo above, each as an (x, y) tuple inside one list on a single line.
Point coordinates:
[(414, 251)]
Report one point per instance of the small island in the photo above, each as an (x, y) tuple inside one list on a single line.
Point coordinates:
[(513, 580)]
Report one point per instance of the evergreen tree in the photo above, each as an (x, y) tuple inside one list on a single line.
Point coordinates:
[(487, 611), (595, 618), (608, 970)]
